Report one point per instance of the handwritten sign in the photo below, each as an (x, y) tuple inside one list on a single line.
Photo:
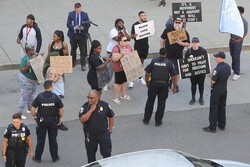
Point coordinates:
[(105, 76), (189, 10), (144, 30), (37, 66), (192, 66), (132, 66), (61, 64), (177, 35)]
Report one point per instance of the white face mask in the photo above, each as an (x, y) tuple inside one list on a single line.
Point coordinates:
[(178, 26)]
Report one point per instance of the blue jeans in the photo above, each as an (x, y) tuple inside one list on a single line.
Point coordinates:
[(235, 50)]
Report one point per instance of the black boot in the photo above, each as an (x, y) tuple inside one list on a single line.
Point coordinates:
[(163, 3), (201, 101), (192, 101)]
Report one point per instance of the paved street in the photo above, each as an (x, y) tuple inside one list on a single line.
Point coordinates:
[(182, 124)]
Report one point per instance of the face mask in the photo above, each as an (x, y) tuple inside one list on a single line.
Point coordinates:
[(177, 26)]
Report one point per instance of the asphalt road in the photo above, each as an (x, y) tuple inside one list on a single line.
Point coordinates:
[(181, 130)]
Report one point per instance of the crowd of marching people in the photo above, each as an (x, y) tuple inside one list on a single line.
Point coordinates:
[(161, 75)]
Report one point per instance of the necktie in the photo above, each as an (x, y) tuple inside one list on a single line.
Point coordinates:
[(77, 19)]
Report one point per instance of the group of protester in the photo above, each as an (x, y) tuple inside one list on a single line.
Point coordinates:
[(157, 76)]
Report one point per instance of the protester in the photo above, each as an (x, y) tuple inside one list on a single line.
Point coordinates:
[(113, 38), (29, 34), (16, 143), (93, 111), (78, 25), (235, 46), (218, 98), (96, 63), (194, 51), (140, 45), (119, 51), (27, 81)]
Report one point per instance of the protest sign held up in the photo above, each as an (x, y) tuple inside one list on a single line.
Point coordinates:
[(192, 66), (144, 30), (61, 64), (37, 66), (105, 76), (177, 35), (132, 66)]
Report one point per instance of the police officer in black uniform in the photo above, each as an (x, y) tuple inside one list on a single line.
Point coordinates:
[(98, 120), (49, 114), (217, 113), (160, 69), (16, 143)]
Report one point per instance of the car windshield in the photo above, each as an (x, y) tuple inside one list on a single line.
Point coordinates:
[(200, 162)]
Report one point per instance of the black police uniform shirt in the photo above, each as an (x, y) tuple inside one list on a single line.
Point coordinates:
[(200, 51), (141, 43), (174, 51), (97, 122), (47, 100), (163, 66), (221, 74), (17, 138), (94, 61)]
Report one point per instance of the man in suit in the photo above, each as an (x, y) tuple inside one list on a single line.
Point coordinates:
[(78, 25)]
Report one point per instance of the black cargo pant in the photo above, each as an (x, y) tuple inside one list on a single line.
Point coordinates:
[(16, 158)]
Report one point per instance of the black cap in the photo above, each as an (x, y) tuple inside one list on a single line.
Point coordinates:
[(178, 19), (31, 16), (220, 54), (195, 40)]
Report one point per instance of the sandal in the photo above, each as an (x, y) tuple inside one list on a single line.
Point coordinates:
[(126, 97), (116, 101)]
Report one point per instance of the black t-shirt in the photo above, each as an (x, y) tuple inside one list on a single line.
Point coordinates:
[(94, 62), (97, 122), (200, 51), (141, 43), (175, 50)]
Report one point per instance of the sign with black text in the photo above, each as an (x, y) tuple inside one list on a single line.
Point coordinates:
[(192, 66), (191, 11), (144, 30)]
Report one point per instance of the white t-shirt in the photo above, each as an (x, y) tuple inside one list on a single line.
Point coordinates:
[(113, 33)]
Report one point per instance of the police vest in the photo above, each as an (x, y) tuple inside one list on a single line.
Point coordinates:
[(18, 138), (160, 71), (48, 106)]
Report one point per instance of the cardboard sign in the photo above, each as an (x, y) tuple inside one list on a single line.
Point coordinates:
[(132, 66), (177, 35), (37, 66), (61, 64), (105, 76), (145, 30), (192, 66), (189, 10)]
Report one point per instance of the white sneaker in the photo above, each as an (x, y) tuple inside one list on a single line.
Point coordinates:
[(28, 112), (23, 117), (106, 88), (235, 77), (131, 84), (142, 81)]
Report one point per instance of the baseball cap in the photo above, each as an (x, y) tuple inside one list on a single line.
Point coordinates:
[(220, 54), (178, 19), (195, 40), (31, 16)]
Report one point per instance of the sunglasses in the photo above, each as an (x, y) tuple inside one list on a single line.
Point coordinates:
[(177, 22), (91, 98), (125, 40)]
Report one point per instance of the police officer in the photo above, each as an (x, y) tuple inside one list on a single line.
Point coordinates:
[(160, 69), (217, 113), (16, 143), (49, 113), (97, 128), (194, 51)]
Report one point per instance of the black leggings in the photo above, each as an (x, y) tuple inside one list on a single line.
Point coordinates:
[(198, 79)]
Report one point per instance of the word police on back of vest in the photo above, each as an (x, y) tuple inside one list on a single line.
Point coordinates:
[(48, 104)]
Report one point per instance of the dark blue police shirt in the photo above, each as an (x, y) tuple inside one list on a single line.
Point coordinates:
[(220, 75), (97, 122)]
